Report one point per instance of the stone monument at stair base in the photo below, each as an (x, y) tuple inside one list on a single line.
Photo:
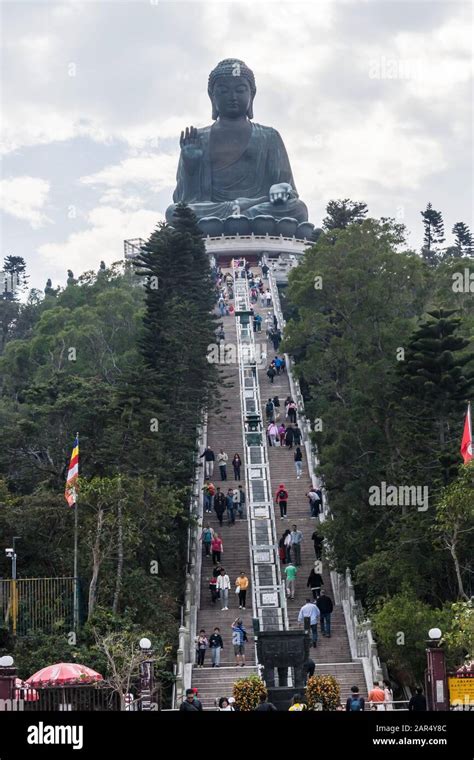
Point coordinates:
[(282, 650)]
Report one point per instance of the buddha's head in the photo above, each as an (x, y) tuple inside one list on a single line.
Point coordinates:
[(232, 89)]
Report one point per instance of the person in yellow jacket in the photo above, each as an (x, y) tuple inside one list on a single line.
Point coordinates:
[(241, 585), (297, 704)]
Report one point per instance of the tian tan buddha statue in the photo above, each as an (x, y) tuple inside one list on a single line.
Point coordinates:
[(235, 167)]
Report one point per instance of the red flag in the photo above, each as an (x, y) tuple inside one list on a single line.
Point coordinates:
[(466, 443)]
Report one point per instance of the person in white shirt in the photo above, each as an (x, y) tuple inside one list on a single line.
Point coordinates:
[(272, 432), (388, 695), (222, 459), (310, 610), (223, 585)]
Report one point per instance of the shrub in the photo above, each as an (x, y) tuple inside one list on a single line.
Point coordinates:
[(323, 689), (247, 692)]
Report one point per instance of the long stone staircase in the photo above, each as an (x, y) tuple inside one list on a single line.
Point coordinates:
[(225, 432), (332, 655)]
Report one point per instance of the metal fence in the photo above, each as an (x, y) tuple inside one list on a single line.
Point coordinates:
[(62, 699), (37, 604)]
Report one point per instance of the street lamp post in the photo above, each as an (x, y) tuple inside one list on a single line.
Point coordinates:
[(436, 691), (11, 555), (7, 681), (146, 674)]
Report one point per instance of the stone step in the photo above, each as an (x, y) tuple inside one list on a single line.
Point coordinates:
[(217, 683)]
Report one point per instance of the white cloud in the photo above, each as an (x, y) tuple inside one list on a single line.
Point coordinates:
[(24, 198), (381, 150), (29, 124), (103, 240), (155, 170), (291, 49)]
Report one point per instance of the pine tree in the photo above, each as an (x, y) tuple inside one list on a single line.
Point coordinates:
[(178, 328), (434, 235), (436, 380), (14, 268), (342, 213), (463, 241), (14, 265)]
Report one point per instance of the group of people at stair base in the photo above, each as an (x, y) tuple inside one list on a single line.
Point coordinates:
[(379, 698), (354, 703)]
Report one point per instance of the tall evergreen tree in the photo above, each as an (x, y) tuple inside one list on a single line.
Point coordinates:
[(436, 380), (178, 323), (463, 241), (434, 235), (14, 268), (342, 213)]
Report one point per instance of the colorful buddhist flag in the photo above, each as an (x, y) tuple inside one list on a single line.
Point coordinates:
[(72, 475), (466, 443)]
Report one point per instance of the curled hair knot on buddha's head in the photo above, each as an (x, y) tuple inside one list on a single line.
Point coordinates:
[(231, 67)]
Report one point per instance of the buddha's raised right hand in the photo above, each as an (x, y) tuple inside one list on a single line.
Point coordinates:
[(190, 144)]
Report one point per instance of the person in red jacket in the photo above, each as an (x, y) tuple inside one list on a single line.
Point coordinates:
[(281, 498)]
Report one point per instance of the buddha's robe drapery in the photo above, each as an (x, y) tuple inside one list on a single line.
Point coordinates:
[(214, 192)]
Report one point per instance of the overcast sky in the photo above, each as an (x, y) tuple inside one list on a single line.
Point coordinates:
[(373, 101)]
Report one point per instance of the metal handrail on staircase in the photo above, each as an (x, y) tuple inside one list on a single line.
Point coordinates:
[(257, 468), (361, 640)]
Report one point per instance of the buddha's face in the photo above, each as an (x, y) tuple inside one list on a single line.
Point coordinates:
[(232, 97)]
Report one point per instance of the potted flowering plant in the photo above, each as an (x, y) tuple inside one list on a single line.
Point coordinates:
[(324, 690), (247, 692)]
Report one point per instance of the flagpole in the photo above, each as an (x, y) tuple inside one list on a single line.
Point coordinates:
[(76, 577)]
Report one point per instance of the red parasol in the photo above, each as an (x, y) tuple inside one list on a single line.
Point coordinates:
[(24, 691), (64, 674)]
